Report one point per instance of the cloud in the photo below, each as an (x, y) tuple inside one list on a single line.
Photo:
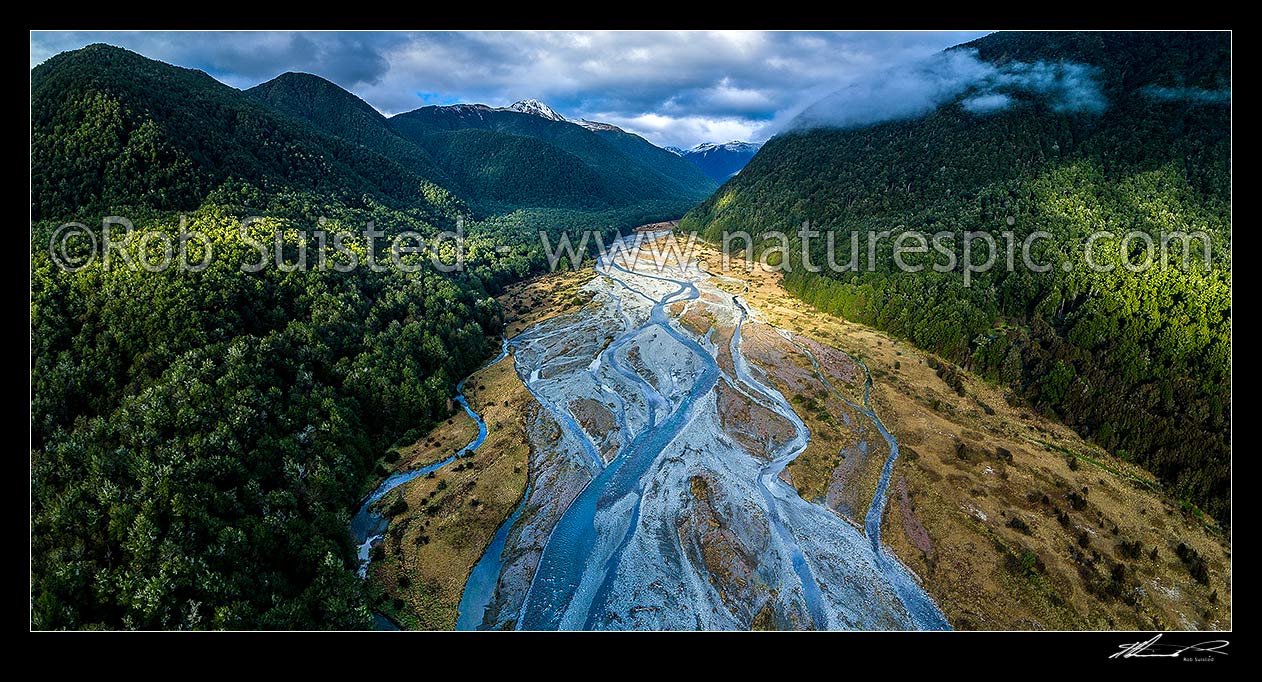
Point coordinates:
[(670, 86), (889, 94), (1195, 95), (660, 127), (984, 104), (244, 58), (1068, 86), (915, 89)]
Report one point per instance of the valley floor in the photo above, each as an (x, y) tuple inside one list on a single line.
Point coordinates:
[(671, 446)]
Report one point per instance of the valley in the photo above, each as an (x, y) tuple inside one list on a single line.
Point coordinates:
[(701, 451), (310, 351)]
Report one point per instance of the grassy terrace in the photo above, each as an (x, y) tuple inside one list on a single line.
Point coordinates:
[(1004, 529), (986, 507), (444, 522)]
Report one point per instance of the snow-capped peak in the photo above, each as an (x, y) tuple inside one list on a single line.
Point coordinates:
[(597, 125), (674, 150), (536, 108), (733, 146), (464, 109)]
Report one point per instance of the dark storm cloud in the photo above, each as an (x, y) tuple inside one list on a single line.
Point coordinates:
[(676, 88)]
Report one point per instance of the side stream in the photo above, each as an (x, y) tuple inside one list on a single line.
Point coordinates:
[(367, 526)]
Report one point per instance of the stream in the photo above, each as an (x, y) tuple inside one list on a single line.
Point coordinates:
[(368, 527), (587, 569), (614, 558)]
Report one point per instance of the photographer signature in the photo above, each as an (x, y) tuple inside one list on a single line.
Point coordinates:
[(1152, 649)]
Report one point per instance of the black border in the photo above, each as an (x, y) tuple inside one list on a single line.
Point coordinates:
[(1008, 654)]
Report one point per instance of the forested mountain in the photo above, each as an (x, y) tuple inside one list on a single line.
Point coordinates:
[(200, 437), (1137, 361), (525, 155), (664, 163), (115, 129), (530, 159), (333, 110), (720, 161)]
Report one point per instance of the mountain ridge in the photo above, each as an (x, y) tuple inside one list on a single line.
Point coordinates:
[(165, 137), (720, 161), (180, 134), (618, 162)]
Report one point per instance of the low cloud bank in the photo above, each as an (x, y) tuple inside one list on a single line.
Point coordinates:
[(1196, 95), (921, 87)]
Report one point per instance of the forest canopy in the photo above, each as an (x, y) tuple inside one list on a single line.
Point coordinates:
[(1139, 362), (200, 437)]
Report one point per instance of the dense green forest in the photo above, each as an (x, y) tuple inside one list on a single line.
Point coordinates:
[(115, 129), (333, 110), (112, 129), (201, 437), (1137, 361), (497, 158), (526, 158)]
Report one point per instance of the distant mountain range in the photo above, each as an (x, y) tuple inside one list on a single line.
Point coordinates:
[(528, 153), (719, 161), (165, 137)]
